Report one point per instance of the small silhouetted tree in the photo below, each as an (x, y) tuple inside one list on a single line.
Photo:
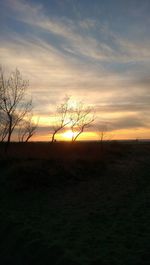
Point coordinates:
[(27, 128), (13, 102), (82, 117), (62, 119), (103, 134)]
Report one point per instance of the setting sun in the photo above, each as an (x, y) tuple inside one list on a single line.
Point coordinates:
[(68, 135)]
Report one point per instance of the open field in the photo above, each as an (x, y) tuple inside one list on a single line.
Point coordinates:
[(75, 204)]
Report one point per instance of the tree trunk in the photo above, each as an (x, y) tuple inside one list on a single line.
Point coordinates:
[(75, 138), (9, 129), (29, 136), (9, 132), (53, 137)]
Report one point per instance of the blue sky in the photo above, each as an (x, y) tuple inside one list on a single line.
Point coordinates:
[(95, 51)]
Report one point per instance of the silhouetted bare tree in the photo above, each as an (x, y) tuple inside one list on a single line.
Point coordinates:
[(62, 118), (103, 134), (13, 102), (76, 116), (81, 117), (27, 128)]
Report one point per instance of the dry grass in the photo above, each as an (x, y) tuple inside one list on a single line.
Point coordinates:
[(75, 204)]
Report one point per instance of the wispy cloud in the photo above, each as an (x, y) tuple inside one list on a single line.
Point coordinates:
[(77, 37), (84, 58)]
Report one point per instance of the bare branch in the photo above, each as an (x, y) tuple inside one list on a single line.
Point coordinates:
[(62, 117), (13, 102), (27, 129), (81, 118)]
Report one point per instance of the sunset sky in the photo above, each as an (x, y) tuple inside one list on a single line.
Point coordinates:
[(95, 51)]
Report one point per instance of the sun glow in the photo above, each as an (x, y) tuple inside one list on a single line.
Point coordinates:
[(68, 135)]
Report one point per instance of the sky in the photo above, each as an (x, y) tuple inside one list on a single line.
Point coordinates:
[(95, 51)]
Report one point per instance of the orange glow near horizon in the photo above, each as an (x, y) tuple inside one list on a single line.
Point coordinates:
[(78, 67), (93, 135), (68, 135)]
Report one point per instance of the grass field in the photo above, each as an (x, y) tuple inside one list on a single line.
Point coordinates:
[(75, 204)]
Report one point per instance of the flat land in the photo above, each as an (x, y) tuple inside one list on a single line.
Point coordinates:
[(75, 204)]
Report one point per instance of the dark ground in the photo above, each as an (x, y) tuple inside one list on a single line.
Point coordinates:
[(75, 204)]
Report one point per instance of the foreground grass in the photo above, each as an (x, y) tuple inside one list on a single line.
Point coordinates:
[(75, 205)]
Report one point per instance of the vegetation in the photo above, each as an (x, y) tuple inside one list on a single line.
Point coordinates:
[(14, 105), (27, 128), (76, 118), (16, 111), (71, 204), (62, 119)]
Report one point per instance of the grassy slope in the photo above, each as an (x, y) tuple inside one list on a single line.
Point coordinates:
[(64, 204)]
